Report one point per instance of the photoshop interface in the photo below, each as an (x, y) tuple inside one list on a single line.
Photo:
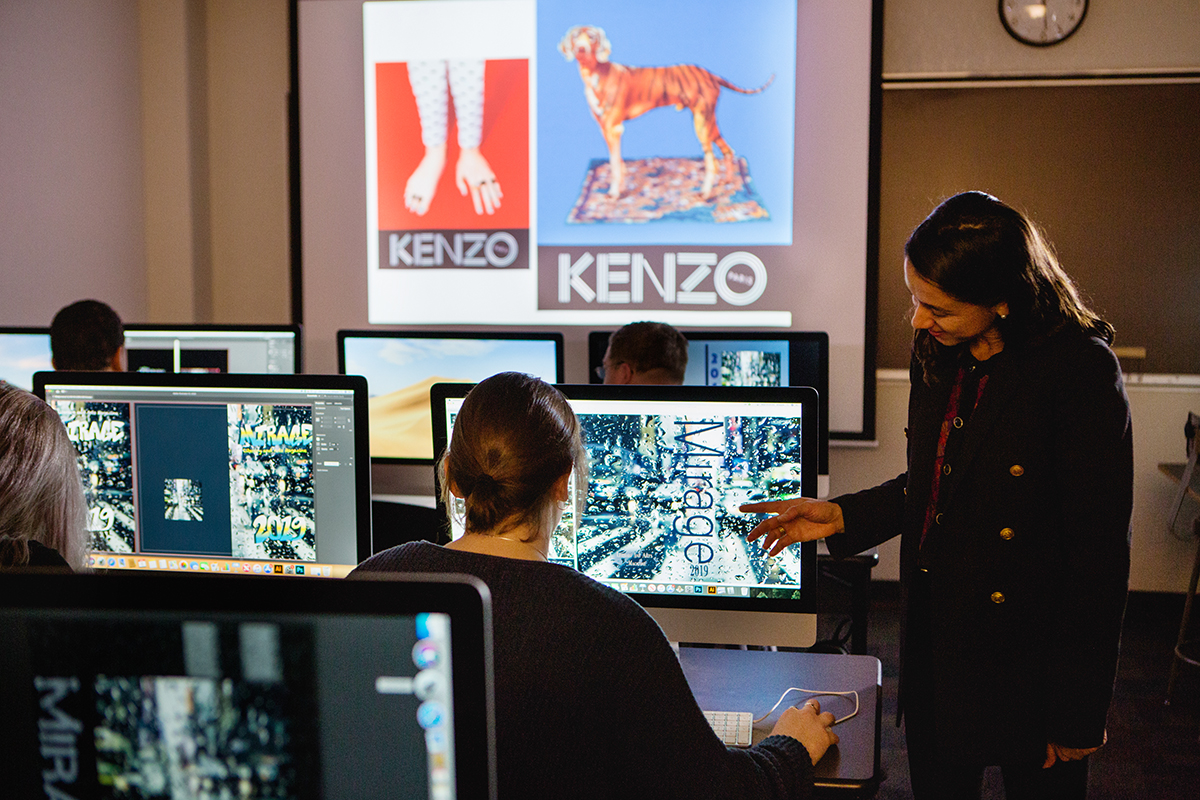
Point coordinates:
[(226, 480), (165, 350), (660, 513)]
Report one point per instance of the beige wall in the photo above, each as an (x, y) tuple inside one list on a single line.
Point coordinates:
[(214, 100)]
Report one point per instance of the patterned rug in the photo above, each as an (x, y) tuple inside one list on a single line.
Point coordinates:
[(668, 189)]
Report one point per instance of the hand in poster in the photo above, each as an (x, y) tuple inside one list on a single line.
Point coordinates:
[(473, 173), (422, 184)]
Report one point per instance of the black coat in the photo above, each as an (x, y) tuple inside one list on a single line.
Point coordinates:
[(1028, 565)]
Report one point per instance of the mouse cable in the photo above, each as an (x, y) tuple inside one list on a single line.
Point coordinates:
[(815, 693)]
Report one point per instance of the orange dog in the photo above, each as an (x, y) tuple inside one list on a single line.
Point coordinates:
[(616, 93)]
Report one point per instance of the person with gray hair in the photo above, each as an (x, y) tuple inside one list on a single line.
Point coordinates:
[(43, 514)]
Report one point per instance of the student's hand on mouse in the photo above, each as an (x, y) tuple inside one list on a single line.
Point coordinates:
[(797, 520), (809, 726)]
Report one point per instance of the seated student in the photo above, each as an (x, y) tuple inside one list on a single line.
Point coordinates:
[(590, 698), (43, 515), (645, 353), (87, 336)]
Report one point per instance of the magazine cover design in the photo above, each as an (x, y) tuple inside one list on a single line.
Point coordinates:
[(270, 482), (101, 434), (662, 499)]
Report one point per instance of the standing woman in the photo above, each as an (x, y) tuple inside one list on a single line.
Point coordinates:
[(1013, 513)]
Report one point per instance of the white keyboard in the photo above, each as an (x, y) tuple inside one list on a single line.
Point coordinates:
[(731, 727)]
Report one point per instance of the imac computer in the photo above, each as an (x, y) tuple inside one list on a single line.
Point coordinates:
[(668, 467), (148, 685), (273, 349), (400, 366), (751, 358), (220, 473), (23, 351)]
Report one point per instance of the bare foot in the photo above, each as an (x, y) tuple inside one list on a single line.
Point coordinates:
[(474, 174), (422, 184)]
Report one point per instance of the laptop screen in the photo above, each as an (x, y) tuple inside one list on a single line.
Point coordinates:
[(146, 686), (224, 473)]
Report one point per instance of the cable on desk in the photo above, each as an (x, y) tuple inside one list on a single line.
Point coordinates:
[(814, 693)]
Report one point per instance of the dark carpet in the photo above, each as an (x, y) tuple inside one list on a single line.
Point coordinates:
[(1153, 750)]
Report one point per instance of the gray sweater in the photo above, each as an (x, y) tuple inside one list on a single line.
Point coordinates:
[(590, 698)]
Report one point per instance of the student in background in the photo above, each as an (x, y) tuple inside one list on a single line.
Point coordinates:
[(87, 336), (590, 698), (1013, 513), (43, 516), (645, 353)]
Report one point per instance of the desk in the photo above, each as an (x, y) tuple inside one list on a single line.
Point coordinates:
[(752, 680)]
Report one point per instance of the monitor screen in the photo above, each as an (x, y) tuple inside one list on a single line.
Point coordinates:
[(149, 686), (751, 358), (400, 366), (668, 468), (220, 473), (23, 351), (213, 348)]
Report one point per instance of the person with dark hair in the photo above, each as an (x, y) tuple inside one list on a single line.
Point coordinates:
[(645, 353), (1014, 512), (43, 515), (87, 336), (579, 666)]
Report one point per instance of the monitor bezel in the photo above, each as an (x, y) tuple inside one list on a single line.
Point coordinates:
[(466, 599), (294, 329), (390, 333), (805, 395), (252, 381)]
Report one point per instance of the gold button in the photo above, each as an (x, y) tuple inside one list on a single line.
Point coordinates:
[(938, 519), (945, 469), (1006, 533), (1016, 470), (906, 432), (997, 597), (958, 422)]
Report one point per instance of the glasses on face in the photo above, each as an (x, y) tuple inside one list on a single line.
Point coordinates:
[(602, 370)]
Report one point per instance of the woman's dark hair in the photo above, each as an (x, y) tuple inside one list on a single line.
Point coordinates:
[(979, 250), (514, 437)]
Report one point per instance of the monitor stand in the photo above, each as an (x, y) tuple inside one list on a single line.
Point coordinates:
[(715, 626)]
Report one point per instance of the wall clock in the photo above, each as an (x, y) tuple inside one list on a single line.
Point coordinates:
[(1042, 22)]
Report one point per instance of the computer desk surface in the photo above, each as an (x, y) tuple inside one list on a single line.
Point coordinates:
[(753, 680)]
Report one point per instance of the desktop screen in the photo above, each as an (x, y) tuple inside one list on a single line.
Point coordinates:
[(144, 686), (213, 348), (23, 351), (751, 358), (667, 469), (400, 366), (220, 473)]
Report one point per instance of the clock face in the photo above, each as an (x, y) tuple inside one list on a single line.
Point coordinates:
[(1042, 22)]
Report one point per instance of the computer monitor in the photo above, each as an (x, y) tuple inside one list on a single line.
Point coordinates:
[(658, 519), (143, 685), (23, 351), (271, 349), (400, 366), (751, 358), (220, 472)]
